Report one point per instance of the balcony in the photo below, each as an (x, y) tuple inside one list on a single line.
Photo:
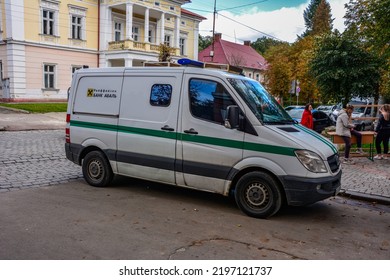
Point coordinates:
[(131, 45)]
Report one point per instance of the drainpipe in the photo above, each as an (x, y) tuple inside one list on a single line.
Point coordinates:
[(98, 35)]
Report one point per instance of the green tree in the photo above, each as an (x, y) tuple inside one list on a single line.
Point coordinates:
[(204, 42), (368, 21), (343, 69), (261, 45)]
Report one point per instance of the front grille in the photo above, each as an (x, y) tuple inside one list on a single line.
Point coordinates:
[(334, 162)]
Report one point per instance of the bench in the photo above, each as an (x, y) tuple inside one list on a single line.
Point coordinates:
[(367, 138)]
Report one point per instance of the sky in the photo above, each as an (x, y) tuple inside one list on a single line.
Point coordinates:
[(241, 20)]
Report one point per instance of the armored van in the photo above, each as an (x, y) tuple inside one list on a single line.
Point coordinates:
[(198, 128)]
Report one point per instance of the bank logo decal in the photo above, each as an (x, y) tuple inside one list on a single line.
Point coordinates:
[(105, 93), (90, 92)]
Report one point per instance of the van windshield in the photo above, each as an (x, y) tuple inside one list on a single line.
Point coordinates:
[(261, 103)]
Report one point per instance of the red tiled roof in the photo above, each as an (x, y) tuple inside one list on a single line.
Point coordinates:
[(234, 54), (191, 14)]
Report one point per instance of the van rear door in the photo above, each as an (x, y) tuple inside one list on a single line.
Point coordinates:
[(148, 125)]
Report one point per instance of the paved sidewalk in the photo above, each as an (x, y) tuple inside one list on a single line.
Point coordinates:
[(368, 180)]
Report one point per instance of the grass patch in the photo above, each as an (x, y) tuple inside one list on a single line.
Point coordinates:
[(37, 107)]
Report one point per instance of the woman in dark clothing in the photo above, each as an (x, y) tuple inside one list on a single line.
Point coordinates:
[(307, 117), (382, 132)]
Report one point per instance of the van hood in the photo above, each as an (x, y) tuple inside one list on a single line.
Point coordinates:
[(306, 139)]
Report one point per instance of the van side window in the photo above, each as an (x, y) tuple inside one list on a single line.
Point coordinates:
[(209, 100), (160, 95)]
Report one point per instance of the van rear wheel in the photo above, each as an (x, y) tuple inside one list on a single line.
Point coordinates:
[(257, 194), (96, 169)]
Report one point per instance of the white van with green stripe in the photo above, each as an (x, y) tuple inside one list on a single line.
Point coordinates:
[(198, 128)]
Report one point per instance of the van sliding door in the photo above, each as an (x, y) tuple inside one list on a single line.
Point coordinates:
[(148, 126)]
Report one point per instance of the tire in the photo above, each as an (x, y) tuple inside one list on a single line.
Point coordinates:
[(258, 195), (96, 169)]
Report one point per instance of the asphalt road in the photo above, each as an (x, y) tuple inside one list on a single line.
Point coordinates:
[(145, 221)]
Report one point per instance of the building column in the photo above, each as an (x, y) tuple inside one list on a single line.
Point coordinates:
[(196, 41), (160, 29), (105, 27), (176, 39), (146, 27), (128, 62), (129, 21)]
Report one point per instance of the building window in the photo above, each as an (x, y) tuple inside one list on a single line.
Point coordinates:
[(48, 22), (77, 27), (157, 4), (49, 76), (257, 77), (135, 33), (182, 45), (167, 40), (118, 31)]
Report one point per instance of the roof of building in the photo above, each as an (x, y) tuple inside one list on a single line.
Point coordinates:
[(233, 54), (191, 14)]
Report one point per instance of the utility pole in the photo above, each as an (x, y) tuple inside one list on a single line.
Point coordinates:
[(212, 46)]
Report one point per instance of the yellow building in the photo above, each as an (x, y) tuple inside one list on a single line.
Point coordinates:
[(42, 42)]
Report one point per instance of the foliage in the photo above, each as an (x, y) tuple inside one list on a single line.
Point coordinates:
[(279, 75), (165, 53), (37, 107), (322, 21), (343, 69), (261, 45), (204, 42), (308, 15), (368, 21), (301, 54)]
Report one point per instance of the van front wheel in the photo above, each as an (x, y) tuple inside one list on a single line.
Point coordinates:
[(96, 169), (257, 194)]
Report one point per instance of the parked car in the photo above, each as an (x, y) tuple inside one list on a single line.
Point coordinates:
[(320, 119), (328, 109), (358, 112), (291, 107)]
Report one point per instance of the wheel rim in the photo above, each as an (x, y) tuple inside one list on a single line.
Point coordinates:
[(257, 195), (95, 170)]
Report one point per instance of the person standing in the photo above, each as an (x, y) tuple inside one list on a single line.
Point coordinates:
[(382, 132), (307, 117), (345, 129)]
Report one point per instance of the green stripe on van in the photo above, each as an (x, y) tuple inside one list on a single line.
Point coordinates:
[(316, 135), (190, 138)]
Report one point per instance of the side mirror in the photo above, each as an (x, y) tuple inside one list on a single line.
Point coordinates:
[(233, 117)]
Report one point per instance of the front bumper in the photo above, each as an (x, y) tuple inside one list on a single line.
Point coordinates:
[(302, 191)]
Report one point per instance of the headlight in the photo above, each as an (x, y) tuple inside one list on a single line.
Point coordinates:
[(311, 161)]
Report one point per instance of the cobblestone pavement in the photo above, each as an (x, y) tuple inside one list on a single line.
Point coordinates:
[(34, 158), (367, 179), (37, 158)]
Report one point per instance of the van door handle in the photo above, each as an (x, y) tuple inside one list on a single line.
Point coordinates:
[(191, 131), (167, 128)]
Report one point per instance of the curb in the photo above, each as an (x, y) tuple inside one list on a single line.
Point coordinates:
[(14, 110), (366, 197)]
